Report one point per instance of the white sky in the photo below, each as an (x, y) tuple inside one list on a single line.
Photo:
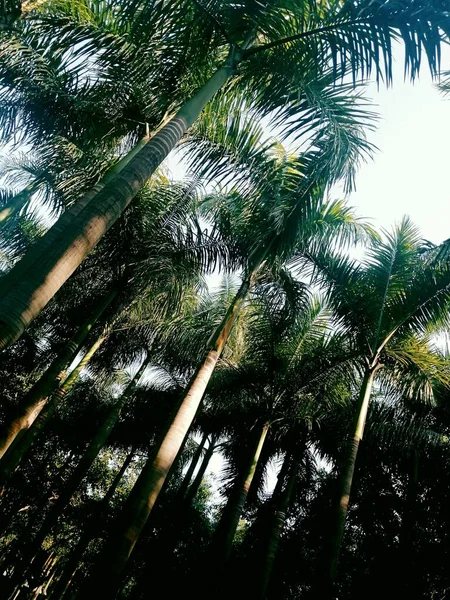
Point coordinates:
[(411, 171)]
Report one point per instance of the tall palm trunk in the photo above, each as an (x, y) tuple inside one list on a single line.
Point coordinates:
[(195, 485), (48, 241), (90, 454), (22, 443), (90, 530), (36, 398), (151, 480), (348, 470), (226, 529), (180, 512), (193, 465), (23, 301), (282, 498)]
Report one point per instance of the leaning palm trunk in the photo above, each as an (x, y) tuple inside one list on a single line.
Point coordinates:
[(79, 473), (36, 398), (282, 503), (226, 529), (193, 465), (22, 301), (349, 468), (179, 514), (195, 485), (145, 492), (22, 444), (90, 530), (47, 243)]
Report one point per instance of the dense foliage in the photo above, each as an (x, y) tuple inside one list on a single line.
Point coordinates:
[(203, 392)]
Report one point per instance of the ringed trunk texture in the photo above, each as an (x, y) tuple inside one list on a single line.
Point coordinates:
[(282, 502), (226, 529), (36, 398), (144, 494), (349, 469), (90, 531), (23, 301)]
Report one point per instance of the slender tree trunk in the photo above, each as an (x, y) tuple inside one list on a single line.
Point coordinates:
[(16, 205), (193, 465), (36, 398), (23, 301), (90, 530), (180, 512), (23, 442), (151, 480), (226, 529), (346, 478), (81, 469), (282, 499), (195, 485)]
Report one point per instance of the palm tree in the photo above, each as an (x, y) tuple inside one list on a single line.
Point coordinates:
[(101, 436), (181, 250), (388, 304), (287, 375), (262, 242), (250, 47)]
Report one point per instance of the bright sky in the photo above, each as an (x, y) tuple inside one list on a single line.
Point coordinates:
[(411, 171)]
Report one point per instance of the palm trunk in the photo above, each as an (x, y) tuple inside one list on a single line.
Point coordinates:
[(48, 242), (90, 530), (346, 478), (195, 485), (22, 302), (193, 465), (151, 480), (282, 502), (226, 529), (180, 512), (46, 408), (36, 398), (16, 205), (82, 468)]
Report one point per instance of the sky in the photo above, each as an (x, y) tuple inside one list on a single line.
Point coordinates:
[(410, 173)]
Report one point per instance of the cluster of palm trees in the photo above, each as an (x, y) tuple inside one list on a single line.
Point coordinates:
[(125, 368)]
